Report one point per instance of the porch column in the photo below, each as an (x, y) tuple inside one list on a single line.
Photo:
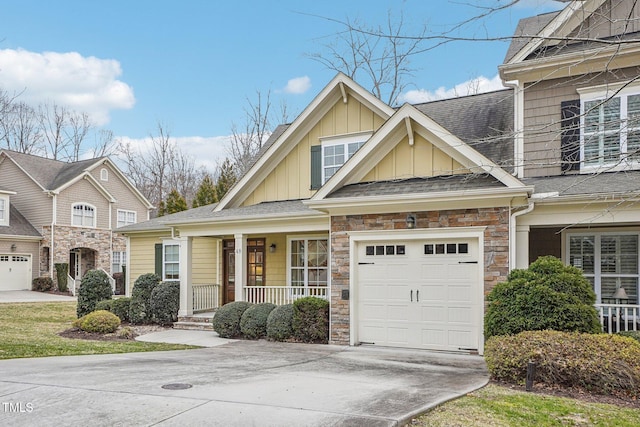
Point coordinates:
[(241, 275), (186, 293), (522, 246)]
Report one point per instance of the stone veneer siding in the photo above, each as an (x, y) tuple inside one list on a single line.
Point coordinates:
[(66, 238), (496, 249)]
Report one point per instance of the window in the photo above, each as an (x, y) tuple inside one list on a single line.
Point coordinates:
[(4, 211), (609, 261), (126, 217), (610, 123), (335, 155), (118, 260), (104, 174), (308, 263), (171, 261), (83, 215)]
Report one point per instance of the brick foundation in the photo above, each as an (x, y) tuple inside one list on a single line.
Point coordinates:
[(496, 249)]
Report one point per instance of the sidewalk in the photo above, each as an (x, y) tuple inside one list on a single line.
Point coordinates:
[(181, 336)]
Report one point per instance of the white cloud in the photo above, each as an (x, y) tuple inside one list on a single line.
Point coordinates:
[(206, 151), (478, 85), (298, 85), (86, 84)]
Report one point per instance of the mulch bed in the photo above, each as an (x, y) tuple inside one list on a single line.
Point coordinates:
[(137, 330)]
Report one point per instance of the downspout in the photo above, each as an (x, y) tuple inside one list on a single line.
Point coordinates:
[(52, 250), (512, 233), (518, 125)]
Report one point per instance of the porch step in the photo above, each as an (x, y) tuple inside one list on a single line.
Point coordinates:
[(197, 322)]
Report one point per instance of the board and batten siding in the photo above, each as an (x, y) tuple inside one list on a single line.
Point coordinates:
[(291, 178), (422, 159), (32, 202), (125, 197), (542, 117), (82, 192)]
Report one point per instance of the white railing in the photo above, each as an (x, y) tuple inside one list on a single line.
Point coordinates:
[(281, 295), (112, 281), (619, 317), (205, 297), (71, 284)]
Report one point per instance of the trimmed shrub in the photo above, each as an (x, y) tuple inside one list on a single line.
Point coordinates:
[(226, 322), (310, 322), (164, 303), (100, 321), (253, 323), (279, 323), (94, 287), (62, 272), (120, 307), (597, 363), (631, 334), (548, 295), (42, 284), (140, 295), (125, 333), (105, 304)]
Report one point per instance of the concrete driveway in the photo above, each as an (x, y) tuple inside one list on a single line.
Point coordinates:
[(243, 383), (32, 296)]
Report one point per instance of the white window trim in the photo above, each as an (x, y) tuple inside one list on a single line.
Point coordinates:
[(95, 214), (597, 273), (166, 243), (345, 140), (603, 92), (104, 174), (122, 258), (126, 212), (4, 219), (288, 255)]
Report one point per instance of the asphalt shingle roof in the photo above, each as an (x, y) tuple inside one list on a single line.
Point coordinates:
[(610, 183), (526, 29), (18, 225), (434, 184)]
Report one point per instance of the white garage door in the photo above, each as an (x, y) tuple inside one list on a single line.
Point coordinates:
[(15, 272), (420, 294)]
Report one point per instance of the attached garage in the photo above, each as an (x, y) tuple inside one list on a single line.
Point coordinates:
[(423, 292), (15, 272)]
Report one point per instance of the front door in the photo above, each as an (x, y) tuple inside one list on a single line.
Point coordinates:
[(229, 271), (75, 264)]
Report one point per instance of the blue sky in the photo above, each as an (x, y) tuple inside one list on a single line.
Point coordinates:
[(192, 64)]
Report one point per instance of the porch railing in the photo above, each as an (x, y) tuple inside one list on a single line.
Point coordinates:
[(112, 281), (619, 317), (71, 284), (281, 295), (205, 297)]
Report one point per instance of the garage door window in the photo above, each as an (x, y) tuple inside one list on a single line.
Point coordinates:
[(308, 263)]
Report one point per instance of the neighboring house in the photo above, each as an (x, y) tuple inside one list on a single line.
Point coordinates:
[(404, 219), (63, 213)]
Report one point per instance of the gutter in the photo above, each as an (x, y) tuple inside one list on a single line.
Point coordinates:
[(512, 233)]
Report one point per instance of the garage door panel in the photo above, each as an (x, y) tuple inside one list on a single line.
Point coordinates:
[(15, 272), (460, 294), (460, 315), (432, 313)]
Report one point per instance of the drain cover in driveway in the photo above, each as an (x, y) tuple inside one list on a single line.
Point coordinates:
[(176, 386)]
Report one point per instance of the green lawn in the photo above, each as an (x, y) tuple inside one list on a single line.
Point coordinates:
[(31, 330), (500, 406)]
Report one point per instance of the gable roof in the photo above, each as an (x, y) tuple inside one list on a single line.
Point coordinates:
[(339, 89), (526, 29), (160, 222)]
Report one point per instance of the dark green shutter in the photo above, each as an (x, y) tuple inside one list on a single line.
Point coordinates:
[(316, 167), (570, 136), (159, 259)]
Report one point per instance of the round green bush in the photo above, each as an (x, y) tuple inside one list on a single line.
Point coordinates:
[(310, 320), (100, 321), (42, 284), (164, 303), (120, 307), (140, 295), (253, 323), (226, 321), (279, 323), (548, 295), (598, 363), (94, 287), (105, 304), (631, 334)]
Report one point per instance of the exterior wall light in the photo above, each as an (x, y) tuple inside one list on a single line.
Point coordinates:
[(411, 221), (13, 247), (272, 248)]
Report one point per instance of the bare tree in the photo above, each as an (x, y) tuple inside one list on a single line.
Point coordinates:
[(377, 56), (76, 130), (53, 119), (21, 128)]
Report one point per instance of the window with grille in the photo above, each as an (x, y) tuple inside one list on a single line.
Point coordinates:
[(83, 215)]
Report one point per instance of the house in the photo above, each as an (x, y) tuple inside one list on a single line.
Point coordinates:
[(405, 218), (56, 212)]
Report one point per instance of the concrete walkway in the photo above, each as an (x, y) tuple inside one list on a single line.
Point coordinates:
[(240, 383), (31, 296), (181, 336)]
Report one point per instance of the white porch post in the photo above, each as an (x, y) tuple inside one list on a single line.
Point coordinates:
[(522, 246), (186, 293), (241, 250)]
